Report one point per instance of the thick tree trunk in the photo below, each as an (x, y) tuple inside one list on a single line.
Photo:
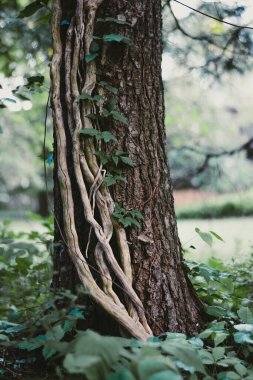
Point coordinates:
[(159, 276)]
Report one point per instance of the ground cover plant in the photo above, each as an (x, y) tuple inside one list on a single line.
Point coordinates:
[(43, 333)]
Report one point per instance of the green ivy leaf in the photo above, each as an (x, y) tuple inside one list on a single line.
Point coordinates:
[(111, 106), (109, 180), (115, 20), (117, 38), (218, 353), (245, 315), (86, 96), (108, 136), (108, 87), (126, 160), (117, 116), (89, 132), (243, 337), (90, 57), (136, 214), (94, 48), (244, 327), (115, 160), (216, 311)]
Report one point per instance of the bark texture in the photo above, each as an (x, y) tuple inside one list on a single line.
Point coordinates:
[(159, 277)]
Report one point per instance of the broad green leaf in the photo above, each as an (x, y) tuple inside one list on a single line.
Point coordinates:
[(109, 180), (115, 20), (94, 48), (196, 342), (115, 160), (241, 369), (86, 96), (48, 352), (165, 375), (218, 353), (152, 365), (90, 57), (90, 132), (219, 338), (124, 374), (206, 357), (126, 160), (232, 375), (56, 333), (4, 338), (205, 236), (205, 334), (108, 87), (244, 327), (243, 337), (116, 38), (184, 352), (29, 346), (216, 311), (110, 106), (88, 365), (117, 116), (108, 136), (245, 314), (78, 313), (136, 214)]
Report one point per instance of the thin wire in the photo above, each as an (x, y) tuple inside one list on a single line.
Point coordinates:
[(213, 17)]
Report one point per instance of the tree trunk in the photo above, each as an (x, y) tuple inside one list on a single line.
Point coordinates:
[(133, 66)]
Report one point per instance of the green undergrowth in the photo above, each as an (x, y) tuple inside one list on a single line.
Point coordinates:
[(234, 205), (41, 335)]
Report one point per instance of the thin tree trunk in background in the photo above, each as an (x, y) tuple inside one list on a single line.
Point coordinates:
[(160, 279)]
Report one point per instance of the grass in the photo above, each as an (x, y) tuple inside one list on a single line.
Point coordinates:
[(236, 233), (223, 206)]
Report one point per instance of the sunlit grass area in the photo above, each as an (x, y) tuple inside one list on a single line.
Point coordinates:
[(236, 233)]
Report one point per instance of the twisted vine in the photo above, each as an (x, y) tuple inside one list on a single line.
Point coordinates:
[(89, 173)]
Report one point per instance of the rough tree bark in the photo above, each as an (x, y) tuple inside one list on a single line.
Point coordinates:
[(160, 284)]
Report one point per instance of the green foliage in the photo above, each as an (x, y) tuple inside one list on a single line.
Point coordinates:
[(42, 333), (90, 57), (25, 270), (127, 218), (32, 8), (223, 206), (207, 237), (114, 20), (106, 136)]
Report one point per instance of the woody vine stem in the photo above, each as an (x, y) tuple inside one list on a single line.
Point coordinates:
[(89, 172)]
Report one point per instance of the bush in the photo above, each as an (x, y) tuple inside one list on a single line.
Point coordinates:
[(44, 339), (223, 206)]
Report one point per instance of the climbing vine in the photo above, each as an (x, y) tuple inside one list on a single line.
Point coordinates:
[(94, 170)]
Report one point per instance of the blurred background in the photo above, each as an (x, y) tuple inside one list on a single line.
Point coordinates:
[(208, 79)]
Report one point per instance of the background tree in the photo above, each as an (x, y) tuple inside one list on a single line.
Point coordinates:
[(119, 98)]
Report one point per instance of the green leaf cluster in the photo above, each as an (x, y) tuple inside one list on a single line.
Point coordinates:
[(127, 218)]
